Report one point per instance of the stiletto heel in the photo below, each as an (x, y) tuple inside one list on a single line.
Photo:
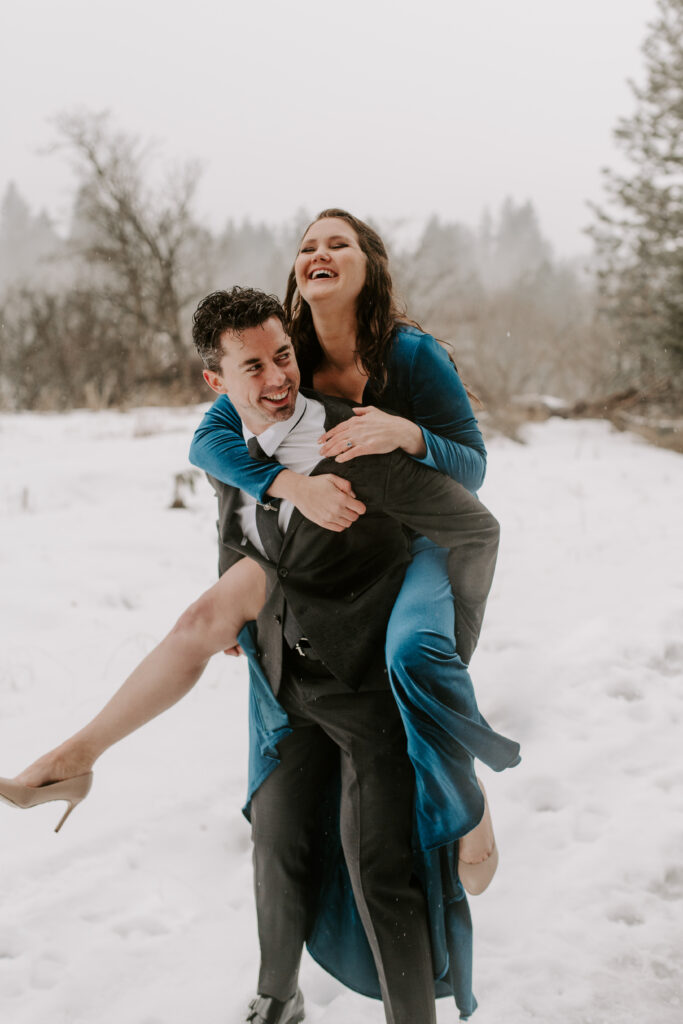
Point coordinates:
[(72, 790)]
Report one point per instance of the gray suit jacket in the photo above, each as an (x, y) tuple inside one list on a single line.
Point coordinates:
[(341, 587)]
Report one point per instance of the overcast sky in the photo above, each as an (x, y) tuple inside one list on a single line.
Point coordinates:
[(391, 108)]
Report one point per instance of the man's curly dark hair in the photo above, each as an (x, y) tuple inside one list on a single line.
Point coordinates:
[(235, 310)]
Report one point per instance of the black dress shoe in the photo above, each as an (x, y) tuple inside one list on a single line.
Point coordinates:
[(268, 1010)]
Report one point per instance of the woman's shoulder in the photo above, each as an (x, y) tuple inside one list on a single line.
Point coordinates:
[(411, 344)]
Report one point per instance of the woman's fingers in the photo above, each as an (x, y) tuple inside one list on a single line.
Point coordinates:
[(353, 452), (234, 652), (370, 432)]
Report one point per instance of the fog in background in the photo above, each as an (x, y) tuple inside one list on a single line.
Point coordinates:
[(391, 108), (155, 152)]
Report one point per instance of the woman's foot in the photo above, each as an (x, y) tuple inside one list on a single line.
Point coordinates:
[(64, 762), (478, 853)]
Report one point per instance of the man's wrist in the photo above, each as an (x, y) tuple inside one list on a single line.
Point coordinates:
[(285, 485)]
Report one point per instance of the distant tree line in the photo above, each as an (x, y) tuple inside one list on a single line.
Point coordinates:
[(100, 316)]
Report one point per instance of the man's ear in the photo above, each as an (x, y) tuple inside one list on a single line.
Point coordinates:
[(215, 381)]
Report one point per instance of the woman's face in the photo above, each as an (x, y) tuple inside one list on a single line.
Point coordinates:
[(330, 263)]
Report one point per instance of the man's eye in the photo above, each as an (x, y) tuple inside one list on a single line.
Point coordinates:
[(253, 369), (285, 357)]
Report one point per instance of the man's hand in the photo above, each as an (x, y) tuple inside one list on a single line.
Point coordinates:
[(326, 500), (372, 432), (234, 652)]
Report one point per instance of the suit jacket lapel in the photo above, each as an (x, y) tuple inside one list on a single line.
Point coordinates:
[(336, 410), (296, 518)]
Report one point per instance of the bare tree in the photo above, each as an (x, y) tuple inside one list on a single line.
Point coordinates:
[(138, 244)]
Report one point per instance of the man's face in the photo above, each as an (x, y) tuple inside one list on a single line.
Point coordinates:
[(259, 374)]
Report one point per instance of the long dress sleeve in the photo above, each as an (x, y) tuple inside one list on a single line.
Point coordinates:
[(423, 385), (219, 448)]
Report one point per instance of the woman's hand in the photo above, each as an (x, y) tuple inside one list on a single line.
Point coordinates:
[(372, 432)]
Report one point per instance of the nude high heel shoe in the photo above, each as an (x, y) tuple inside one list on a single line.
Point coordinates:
[(477, 877), (72, 790)]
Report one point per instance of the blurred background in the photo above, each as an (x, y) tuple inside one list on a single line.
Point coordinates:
[(523, 162)]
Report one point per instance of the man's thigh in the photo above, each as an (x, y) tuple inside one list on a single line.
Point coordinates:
[(285, 804), (377, 776)]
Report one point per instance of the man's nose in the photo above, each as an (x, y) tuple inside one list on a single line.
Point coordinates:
[(275, 375)]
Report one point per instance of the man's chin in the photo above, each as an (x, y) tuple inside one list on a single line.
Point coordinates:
[(276, 414)]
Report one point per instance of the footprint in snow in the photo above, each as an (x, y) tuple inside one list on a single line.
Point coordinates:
[(148, 926), (670, 886), (47, 971), (624, 915)]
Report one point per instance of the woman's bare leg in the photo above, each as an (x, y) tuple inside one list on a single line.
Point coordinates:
[(209, 625)]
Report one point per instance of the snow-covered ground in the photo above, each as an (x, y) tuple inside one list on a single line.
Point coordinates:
[(140, 911)]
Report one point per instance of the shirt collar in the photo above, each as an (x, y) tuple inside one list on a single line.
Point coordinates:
[(271, 438)]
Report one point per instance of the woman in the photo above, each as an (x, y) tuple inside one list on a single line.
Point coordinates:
[(351, 341)]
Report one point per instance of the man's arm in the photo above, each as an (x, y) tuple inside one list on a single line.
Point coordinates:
[(439, 508), (219, 448)]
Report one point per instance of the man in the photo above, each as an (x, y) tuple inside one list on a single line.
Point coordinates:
[(321, 644)]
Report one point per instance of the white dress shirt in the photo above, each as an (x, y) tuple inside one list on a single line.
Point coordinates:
[(294, 443)]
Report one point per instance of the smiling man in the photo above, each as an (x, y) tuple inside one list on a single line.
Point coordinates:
[(263, 388), (321, 637)]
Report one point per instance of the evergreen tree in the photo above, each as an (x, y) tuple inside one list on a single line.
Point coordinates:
[(28, 244), (639, 237)]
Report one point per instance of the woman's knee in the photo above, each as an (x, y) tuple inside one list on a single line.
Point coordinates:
[(196, 625), (411, 650)]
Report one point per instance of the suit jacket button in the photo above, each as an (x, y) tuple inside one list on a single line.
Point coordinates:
[(278, 619), (283, 572)]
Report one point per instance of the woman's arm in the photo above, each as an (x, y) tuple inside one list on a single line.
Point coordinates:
[(218, 447), (435, 425), (441, 406), (211, 624)]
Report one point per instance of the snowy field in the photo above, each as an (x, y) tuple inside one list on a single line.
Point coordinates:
[(140, 911)]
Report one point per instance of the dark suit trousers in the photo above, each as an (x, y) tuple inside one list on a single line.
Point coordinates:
[(363, 731)]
